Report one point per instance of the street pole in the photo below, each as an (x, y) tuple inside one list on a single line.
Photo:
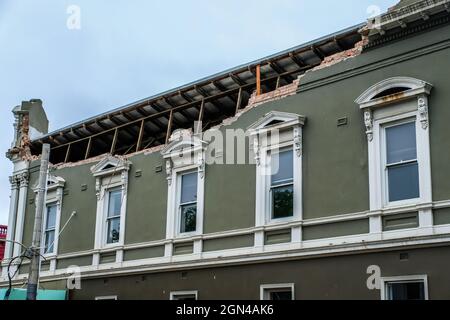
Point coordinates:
[(33, 277)]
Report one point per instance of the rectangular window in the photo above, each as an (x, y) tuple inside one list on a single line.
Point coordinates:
[(50, 225), (188, 202), (405, 290), (282, 184), (277, 292), (402, 167), (113, 217), (184, 295)]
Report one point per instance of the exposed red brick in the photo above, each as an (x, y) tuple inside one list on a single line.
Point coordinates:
[(277, 94)]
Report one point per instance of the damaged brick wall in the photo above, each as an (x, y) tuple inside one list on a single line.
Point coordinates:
[(277, 94), (21, 149), (291, 89)]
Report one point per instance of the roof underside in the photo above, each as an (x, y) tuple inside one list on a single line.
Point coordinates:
[(147, 123)]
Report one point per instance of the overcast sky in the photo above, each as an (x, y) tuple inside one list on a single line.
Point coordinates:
[(127, 50)]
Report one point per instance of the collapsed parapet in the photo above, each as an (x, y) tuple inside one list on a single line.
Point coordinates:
[(30, 123)]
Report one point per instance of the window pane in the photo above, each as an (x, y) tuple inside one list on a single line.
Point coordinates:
[(403, 182), (49, 239), (280, 295), (282, 167), (188, 218), (51, 217), (113, 230), (115, 202), (283, 202), (189, 187), (406, 291), (401, 143), (186, 297)]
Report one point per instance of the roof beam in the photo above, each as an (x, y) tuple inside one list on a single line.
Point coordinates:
[(297, 60), (318, 52), (237, 80), (164, 113)]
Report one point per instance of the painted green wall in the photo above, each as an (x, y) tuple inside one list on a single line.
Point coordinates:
[(338, 277), (335, 164), (441, 216), (337, 229), (146, 200), (79, 234), (228, 243)]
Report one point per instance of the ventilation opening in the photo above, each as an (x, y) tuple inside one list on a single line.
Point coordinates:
[(274, 122), (390, 91)]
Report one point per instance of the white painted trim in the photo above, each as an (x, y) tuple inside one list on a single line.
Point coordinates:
[(404, 279), (13, 204), (264, 289), (21, 208), (193, 159), (107, 180), (173, 294), (106, 298), (415, 87), (263, 200), (412, 103), (249, 255)]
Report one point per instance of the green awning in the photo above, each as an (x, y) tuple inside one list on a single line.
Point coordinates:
[(21, 294)]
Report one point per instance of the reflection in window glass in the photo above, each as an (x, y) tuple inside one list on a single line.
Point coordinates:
[(282, 184), (188, 202), (401, 162), (113, 218), (50, 223), (412, 290)]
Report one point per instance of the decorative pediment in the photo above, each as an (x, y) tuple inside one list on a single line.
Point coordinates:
[(183, 144), (110, 165), (393, 90), (276, 120), (55, 182)]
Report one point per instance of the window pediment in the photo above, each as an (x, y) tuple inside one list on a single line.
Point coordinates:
[(276, 120), (393, 90), (182, 145), (110, 165)]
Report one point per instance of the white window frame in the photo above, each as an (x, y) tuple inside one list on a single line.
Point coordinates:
[(174, 294), (381, 112), (184, 154), (107, 193), (54, 196), (264, 290), (289, 126), (45, 230), (111, 173), (383, 125), (403, 279), (179, 179), (106, 298)]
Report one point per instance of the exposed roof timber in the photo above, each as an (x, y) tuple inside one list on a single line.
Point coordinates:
[(338, 44), (228, 84), (278, 69), (318, 52), (173, 105), (166, 112), (297, 60), (237, 80)]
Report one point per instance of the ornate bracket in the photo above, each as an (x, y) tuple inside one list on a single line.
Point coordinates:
[(423, 112), (201, 165), (23, 179), (98, 188), (169, 171), (14, 181), (256, 150), (368, 121), (298, 145)]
